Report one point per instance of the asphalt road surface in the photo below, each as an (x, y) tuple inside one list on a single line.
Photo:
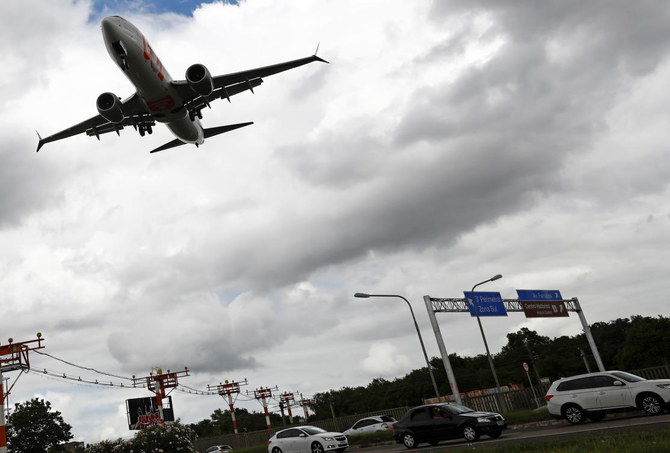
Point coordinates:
[(560, 431)]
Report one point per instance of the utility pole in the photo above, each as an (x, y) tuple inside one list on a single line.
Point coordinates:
[(158, 382), (288, 400), (229, 391), (263, 395), (13, 356)]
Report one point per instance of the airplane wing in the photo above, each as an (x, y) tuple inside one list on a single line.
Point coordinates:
[(134, 114), (265, 71), (228, 85)]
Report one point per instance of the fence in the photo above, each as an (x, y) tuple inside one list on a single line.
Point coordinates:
[(512, 400)]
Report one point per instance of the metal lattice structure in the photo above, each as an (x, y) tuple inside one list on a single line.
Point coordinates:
[(456, 305)]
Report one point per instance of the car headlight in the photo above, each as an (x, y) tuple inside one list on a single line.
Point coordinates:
[(664, 386), (329, 439), (482, 420)]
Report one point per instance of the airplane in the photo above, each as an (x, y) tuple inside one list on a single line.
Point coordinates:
[(176, 103)]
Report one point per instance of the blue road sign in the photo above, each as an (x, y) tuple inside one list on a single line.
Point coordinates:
[(485, 303), (539, 294)]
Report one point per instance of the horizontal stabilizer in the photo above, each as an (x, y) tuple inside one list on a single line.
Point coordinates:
[(168, 145), (210, 132)]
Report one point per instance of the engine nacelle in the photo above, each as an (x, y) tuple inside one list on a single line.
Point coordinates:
[(199, 79), (109, 107)]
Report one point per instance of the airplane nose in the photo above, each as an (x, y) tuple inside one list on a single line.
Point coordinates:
[(110, 28)]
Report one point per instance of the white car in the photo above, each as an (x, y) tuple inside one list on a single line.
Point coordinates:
[(371, 425), (593, 395), (307, 439), (219, 449)]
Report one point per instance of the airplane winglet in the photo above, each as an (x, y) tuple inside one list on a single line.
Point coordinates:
[(318, 58), (40, 143)]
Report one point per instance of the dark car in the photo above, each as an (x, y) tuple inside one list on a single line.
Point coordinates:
[(433, 423)]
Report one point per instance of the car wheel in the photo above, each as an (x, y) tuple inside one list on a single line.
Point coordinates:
[(409, 441), (495, 434), (317, 447), (276, 450), (470, 433), (651, 404), (573, 414), (596, 416)]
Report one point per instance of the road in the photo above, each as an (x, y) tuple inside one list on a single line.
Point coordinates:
[(556, 432)]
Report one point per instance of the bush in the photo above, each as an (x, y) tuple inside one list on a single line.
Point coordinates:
[(166, 438)]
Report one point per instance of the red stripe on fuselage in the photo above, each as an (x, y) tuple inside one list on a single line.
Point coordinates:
[(162, 104), (153, 59)]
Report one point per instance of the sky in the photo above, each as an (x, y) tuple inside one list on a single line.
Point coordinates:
[(447, 141)]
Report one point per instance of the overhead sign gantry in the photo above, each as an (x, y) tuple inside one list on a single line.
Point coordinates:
[(533, 303)]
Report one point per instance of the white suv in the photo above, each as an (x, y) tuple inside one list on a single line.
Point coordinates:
[(593, 395)]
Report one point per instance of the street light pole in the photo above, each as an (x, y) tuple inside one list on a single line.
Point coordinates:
[(481, 329), (418, 332)]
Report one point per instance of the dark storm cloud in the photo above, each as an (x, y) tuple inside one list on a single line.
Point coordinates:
[(497, 136)]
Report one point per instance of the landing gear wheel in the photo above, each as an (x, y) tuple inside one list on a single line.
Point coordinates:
[(470, 433), (409, 441), (652, 405), (574, 414)]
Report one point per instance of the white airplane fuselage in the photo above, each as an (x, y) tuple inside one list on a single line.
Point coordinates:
[(134, 56)]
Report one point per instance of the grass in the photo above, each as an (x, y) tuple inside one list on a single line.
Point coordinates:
[(529, 416)]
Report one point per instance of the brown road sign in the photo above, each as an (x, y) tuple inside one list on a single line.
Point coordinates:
[(544, 309)]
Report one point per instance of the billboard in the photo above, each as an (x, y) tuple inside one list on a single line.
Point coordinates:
[(143, 412)]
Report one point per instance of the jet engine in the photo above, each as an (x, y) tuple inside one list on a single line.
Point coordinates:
[(109, 107), (199, 79)]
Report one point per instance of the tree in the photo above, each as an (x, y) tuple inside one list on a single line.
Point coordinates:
[(35, 427), (168, 437)]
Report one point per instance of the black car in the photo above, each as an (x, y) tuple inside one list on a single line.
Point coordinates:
[(443, 421)]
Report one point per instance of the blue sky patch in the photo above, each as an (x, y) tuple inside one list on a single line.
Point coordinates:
[(184, 7)]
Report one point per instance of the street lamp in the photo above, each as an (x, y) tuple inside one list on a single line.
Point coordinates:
[(418, 332), (481, 329)]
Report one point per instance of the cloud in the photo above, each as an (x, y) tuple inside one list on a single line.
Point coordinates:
[(384, 360), (444, 143)]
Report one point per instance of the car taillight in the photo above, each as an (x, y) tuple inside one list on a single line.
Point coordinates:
[(269, 442), (385, 426), (548, 397)]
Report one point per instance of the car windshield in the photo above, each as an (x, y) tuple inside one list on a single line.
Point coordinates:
[(311, 430), (628, 377), (457, 408)]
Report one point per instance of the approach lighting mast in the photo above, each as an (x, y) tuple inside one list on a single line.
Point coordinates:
[(305, 403), (160, 381), (229, 391), (287, 400), (263, 395), (13, 356)]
